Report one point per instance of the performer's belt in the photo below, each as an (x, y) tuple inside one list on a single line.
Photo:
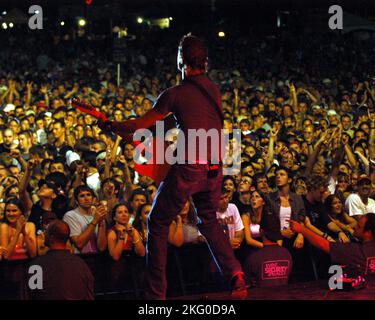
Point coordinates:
[(213, 168)]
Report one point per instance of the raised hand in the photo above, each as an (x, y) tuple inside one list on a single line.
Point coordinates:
[(274, 133), (21, 223), (44, 90)]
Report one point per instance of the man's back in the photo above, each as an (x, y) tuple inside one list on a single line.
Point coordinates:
[(192, 109), (65, 277)]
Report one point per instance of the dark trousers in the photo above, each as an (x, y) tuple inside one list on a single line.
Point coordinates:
[(182, 182)]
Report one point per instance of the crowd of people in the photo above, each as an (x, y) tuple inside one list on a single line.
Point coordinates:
[(306, 114)]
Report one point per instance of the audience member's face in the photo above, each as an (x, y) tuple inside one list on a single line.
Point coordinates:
[(128, 104), (244, 126), (14, 126), (229, 185), (336, 206), (25, 124), (25, 142), (85, 199), (250, 151), (58, 131), (46, 192), (256, 200), (287, 160), (262, 184), (288, 123), (359, 135), (343, 183), (144, 213), (129, 152), (346, 123), (57, 167), (364, 188), (282, 179), (16, 172), (245, 184), (118, 115), (122, 215), (138, 200), (248, 171), (12, 213), (308, 133), (301, 187), (184, 212), (224, 201), (8, 138)]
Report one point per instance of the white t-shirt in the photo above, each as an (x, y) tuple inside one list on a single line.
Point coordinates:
[(78, 223), (285, 213), (230, 218), (355, 206)]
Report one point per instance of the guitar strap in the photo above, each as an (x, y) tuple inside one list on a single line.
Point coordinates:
[(208, 97)]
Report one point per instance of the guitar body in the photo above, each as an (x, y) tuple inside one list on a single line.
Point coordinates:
[(156, 172)]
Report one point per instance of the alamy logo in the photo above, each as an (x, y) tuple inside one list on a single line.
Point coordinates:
[(175, 146), (336, 20), (335, 282), (36, 280), (36, 20)]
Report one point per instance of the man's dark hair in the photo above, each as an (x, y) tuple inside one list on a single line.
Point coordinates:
[(58, 160), (82, 188), (288, 172), (17, 203), (61, 122), (59, 231), (27, 133), (259, 176), (115, 183), (139, 191), (194, 51), (370, 223), (37, 150)]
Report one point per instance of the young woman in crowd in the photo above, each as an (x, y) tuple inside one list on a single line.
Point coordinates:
[(122, 236), (251, 220), (176, 232), (17, 235), (189, 225), (340, 224)]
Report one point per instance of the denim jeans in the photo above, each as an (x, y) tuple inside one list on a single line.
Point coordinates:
[(182, 182)]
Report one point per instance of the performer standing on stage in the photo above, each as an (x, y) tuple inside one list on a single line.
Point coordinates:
[(196, 104)]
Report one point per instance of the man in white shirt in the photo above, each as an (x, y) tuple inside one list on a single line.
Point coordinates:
[(360, 203), (87, 223), (230, 219)]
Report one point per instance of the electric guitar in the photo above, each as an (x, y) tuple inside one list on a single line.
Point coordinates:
[(157, 172)]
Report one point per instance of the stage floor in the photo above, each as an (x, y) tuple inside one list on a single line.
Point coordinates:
[(317, 290)]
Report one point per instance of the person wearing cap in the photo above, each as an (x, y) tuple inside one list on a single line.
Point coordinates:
[(271, 265), (44, 208), (360, 203), (65, 275)]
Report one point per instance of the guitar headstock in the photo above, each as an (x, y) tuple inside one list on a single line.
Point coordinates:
[(85, 107), (76, 102)]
